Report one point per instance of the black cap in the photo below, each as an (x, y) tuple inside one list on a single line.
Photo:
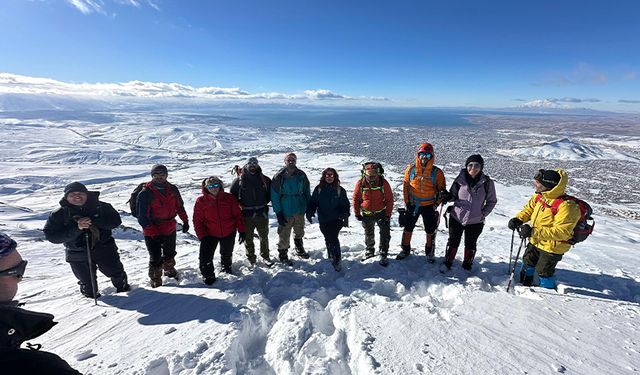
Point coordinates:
[(159, 168), (476, 158), (547, 178), (73, 187)]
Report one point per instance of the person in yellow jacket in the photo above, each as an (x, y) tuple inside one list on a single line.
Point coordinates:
[(422, 187), (547, 232)]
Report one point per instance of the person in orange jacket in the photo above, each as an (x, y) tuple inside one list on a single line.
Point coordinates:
[(424, 186), (373, 204)]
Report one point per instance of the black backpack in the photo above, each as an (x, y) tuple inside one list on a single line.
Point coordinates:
[(133, 199)]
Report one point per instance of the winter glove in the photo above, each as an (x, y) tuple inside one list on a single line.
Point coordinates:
[(241, 237), (525, 231), (310, 217), (281, 220), (514, 223), (445, 196), (358, 217), (410, 208), (185, 227)]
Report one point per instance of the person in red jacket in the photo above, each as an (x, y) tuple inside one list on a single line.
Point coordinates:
[(373, 204), (158, 204), (216, 218)]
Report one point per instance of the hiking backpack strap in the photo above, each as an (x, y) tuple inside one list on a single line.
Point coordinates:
[(416, 200)]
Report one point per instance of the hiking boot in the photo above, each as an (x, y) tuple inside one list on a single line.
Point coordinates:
[(368, 253), (169, 267), (87, 292), (155, 276), (406, 251), (226, 268), (526, 275), (384, 261), (284, 257), (430, 248), (209, 280), (467, 265), (300, 248), (124, 288)]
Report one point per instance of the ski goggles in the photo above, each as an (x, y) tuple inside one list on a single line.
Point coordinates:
[(425, 155), (474, 165), (540, 178), (16, 271), (213, 186)]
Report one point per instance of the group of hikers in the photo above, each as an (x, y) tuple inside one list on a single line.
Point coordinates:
[(83, 223)]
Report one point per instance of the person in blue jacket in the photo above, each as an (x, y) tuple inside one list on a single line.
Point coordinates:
[(330, 200), (290, 194)]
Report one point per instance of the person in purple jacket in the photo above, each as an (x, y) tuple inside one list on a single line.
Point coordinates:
[(474, 197)]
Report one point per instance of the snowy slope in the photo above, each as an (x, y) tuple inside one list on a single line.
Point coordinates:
[(567, 149), (306, 319)]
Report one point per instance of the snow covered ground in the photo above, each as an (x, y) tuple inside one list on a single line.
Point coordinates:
[(407, 318)]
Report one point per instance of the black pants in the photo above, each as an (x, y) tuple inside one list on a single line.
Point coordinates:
[(471, 234), (108, 262), (544, 262), (429, 219), (208, 247), (330, 231), (160, 248)]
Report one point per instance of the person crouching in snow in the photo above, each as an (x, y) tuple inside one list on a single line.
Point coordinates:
[(330, 200), (216, 219), (547, 232), (474, 197), (84, 223)]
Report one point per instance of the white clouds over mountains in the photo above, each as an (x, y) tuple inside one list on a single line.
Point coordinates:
[(18, 84)]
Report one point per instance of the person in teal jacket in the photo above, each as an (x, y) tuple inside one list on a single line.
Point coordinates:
[(290, 194)]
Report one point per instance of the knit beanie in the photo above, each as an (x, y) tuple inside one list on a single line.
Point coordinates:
[(7, 245), (476, 158), (252, 160), (159, 168), (75, 187), (547, 178)]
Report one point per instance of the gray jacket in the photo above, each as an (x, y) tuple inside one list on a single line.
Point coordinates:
[(472, 205)]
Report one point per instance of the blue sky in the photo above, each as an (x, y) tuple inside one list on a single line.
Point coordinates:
[(462, 53)]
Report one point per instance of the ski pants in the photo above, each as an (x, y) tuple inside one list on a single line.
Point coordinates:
[(544, 262), (295, 222), (429, 219), (471, 234), (208, 246), (330, 230), (108, 262), (160, 248), (260, 224), (369, 224)]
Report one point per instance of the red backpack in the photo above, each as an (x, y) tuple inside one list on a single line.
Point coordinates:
[(583, 229)]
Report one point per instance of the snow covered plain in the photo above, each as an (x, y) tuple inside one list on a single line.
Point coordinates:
[(308, 319)]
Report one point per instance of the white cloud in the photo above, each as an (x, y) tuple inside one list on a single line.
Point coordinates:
[(19, 84), (98, 6), (88, 6)]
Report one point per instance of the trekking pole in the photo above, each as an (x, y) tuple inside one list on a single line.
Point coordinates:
[(513, 234), (515, 262), (94, 287)]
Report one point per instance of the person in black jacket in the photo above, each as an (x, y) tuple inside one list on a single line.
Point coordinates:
[(330, 200), (82, 216), (253, 190), (18, 325)]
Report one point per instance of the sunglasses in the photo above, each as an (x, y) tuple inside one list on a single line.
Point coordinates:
[(158, 174), (474, 165), (329, 175), (425, 154), (213, 186), (15, 271)]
